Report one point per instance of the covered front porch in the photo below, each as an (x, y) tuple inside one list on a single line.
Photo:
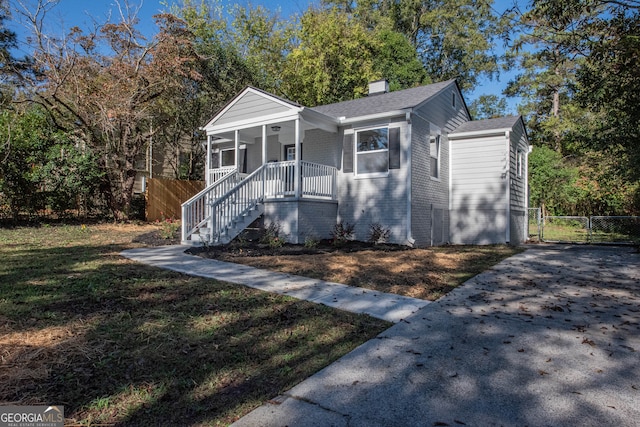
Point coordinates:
[(256, 156), (279, 148)]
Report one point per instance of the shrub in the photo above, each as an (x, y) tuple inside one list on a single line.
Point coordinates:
[(169, 227), (378, 233), (272, 236), (342, 233), (311, 242)]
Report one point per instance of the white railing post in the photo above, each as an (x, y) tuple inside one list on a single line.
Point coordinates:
[(334, 185), (185, 221), (296, 169)]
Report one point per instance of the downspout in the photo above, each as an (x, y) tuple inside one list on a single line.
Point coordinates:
[(450, 204), (508, 175), (410, 240)]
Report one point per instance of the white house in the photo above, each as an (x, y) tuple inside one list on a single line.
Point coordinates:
[(412, 161)]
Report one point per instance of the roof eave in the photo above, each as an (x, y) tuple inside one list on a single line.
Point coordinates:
[(376, 116), (475, 133), (228, 105), (320, 120)]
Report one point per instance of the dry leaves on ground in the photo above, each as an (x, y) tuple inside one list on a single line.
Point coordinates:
[(419, 273)]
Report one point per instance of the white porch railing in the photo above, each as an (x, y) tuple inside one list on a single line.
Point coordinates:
[(220, 207), (197, 210), (219, 173), (227, 210), (279, 179), (318, 181)]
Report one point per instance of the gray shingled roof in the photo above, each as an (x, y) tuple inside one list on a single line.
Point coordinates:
[(506, 122), (392, 101)]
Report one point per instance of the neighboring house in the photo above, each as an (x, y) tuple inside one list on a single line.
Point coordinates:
[(411, 161), (166, 162)]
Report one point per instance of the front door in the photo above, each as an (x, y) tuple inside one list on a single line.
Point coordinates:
[(289, 152)]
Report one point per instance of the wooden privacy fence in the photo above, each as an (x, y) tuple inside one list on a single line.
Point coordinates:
[(165, 197)]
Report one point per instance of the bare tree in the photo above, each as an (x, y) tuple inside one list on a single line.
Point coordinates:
[(108, 84)]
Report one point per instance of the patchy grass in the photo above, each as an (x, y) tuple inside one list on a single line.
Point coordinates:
[(120, 343), (419, 273)]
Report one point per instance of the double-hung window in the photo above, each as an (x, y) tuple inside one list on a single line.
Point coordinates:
[(372, 151), (434, 155)]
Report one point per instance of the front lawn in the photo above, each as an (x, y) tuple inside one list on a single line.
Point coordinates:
[(118, 342)]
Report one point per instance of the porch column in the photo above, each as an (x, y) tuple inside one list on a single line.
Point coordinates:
[(297, 172), (207, 172), (264, 144), (237, 150)]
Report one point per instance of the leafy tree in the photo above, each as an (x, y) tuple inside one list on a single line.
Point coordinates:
[(580, 84), (41, 167), (488, 107), (610, 86), (263, 41), (453, 38), (339, 54), (397, 60), (547, 82), (552, 181), (603, 185), (23, 138), (7, 61), (333, 62), (223, 72)]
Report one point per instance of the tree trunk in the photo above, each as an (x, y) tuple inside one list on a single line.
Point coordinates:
[(117, 188)]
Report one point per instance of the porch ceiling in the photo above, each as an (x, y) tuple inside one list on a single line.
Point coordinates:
[(286, 131)]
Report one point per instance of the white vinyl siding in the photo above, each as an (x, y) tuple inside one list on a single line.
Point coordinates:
[(479, 202), (250, 106)]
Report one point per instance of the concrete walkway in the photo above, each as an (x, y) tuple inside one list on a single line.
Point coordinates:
[(390, 307), (549, 337)]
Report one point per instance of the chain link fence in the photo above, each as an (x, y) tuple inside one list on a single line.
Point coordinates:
[(582, 229), (565, 229), (535, 222), (615, 229)]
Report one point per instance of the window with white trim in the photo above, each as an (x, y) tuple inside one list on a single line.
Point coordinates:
[(372, 151), (227, 157), (519, 161), (434, 155)]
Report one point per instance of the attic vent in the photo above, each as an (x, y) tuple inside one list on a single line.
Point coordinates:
[(378, 87)]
